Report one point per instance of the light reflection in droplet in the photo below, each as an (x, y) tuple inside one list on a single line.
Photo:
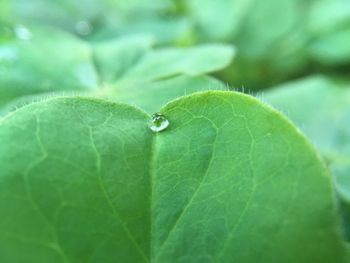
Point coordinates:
[(158, 122)]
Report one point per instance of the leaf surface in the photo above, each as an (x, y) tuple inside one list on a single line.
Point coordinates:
[(83, 180), (321, 107)]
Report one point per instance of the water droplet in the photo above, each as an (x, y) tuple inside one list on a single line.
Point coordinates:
[(159, 122), (83, 28), (22, 32)]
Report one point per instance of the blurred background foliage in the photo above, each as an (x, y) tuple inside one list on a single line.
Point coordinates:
[(275, 40)]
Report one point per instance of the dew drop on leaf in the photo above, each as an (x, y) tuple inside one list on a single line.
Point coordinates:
[(22, 32), (159, 122)]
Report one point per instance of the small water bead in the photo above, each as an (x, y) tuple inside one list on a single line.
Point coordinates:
[(22, 32), (158, 122), (83, 28)]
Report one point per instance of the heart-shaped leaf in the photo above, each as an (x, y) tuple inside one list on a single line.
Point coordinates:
[(229, 180)]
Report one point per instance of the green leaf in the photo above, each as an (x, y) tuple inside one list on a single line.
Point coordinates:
[(43, 60), (214, 18), (229, 180), (168, 62), (115, 57), (328, 15), (344, 206), (268, 52), (150, 78), (131, 60), (332, 49), (62, 202), (123, 62), (151, 96), (100, 19), (176, 31), (321, 107), (329, 23), (309, 35), (59, 13)]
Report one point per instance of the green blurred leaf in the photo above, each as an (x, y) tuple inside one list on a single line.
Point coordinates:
[(60, 13), (29, 75), (165, 31), (168, 62), (130, 59), (150, 78), (217, 20), (115, 57), (332, 49), (309, 36), (94, 19), (151, 96), (345, 212), (43, 60), (327, 16), (267, 52), (329, 23)]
